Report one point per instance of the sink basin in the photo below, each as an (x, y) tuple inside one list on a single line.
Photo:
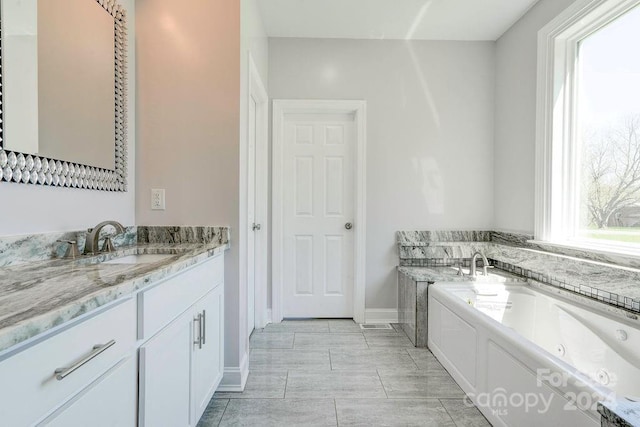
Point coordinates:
[(138, 259)]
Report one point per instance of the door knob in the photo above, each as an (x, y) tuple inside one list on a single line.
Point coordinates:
[(348, 226), (256, 227)]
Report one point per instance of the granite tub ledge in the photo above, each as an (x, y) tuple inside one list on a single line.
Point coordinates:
[(620, 413), (38, 296), (450, 274)]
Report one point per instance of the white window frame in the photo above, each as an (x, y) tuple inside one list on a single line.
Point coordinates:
[(556, 213)]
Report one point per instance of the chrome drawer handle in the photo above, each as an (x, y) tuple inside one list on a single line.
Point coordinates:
[(62, 373), (198, 341), (204, 326)]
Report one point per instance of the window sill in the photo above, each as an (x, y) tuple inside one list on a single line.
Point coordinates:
[(611, 254)]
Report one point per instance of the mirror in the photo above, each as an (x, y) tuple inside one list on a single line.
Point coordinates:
[(63, 94)]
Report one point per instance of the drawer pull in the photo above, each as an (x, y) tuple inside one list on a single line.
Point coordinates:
[(62, 373), (204, 326), (198, 341)]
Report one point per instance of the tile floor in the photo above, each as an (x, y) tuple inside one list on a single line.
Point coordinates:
[(330, 372)]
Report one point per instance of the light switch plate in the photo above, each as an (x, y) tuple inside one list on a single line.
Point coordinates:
[(157, 199)]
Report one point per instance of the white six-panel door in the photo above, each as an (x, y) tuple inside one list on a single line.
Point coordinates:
[(318, 215)]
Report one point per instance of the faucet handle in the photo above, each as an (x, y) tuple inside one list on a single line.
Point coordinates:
[(107, 246), (72, 250)]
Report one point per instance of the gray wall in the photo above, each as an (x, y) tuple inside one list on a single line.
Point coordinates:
[(188, 115), (515, 128), (429, 133)]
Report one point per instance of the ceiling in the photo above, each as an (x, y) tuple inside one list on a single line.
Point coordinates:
[(392, 19)]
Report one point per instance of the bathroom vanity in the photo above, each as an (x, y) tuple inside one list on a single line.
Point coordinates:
[(130, 338)]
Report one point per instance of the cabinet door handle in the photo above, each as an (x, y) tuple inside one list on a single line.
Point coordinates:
[(204, 326), (198, 341), (62, 373)]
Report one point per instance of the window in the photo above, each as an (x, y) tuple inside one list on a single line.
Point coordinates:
[(588, 149)]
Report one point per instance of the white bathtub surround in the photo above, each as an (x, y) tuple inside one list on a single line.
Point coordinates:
[(609, 283), (413, 285), (450, 274), (524, 356)]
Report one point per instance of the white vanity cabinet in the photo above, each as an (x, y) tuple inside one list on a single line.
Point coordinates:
[(181, 363), (151, 359)]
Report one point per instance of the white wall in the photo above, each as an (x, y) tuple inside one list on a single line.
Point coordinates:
[(430, 133), (38, 209), (515, 115)]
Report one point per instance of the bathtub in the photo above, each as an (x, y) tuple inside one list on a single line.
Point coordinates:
[(526, 357)]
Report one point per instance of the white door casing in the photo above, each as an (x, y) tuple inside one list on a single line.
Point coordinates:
[(318, 188), (251, 215), (254, 243)]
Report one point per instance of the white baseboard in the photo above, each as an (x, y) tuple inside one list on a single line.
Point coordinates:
[(235, 378), (381, 315), (265, 321)]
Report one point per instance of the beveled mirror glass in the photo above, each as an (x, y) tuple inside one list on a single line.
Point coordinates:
[(64, 108)]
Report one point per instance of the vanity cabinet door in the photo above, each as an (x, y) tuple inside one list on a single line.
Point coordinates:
[(208, 357), (110, 401), (165, 376)]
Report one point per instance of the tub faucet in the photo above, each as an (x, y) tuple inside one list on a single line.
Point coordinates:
[(485, 264), (91, 245)]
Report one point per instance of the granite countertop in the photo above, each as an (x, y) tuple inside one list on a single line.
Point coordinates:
[(37, 296), (450, 274), (620, 413)]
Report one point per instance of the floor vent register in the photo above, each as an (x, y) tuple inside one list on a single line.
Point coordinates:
[(370, 326)]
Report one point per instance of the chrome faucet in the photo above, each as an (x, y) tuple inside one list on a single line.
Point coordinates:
[(91, 245), (485, 264)]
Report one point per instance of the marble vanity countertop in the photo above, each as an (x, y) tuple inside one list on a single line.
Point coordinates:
[(37, 296), (450, 274)]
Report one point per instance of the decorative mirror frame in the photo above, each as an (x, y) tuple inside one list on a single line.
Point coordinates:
[(33, 169)]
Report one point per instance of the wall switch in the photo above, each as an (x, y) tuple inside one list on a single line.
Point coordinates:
[(157, 199)]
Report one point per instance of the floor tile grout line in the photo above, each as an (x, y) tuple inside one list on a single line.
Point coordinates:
[(447, 411), (381, 383), (366, 341), (286, 384), (224, 411), (412, 359)]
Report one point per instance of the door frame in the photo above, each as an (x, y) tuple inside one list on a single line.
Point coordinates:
[(257, 91), (280, 108)]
